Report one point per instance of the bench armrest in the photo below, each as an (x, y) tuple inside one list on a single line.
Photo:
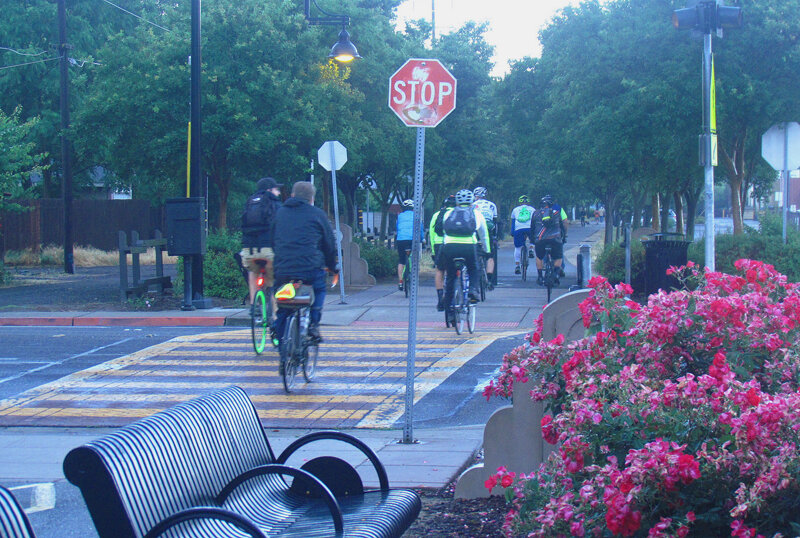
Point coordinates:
[(206, 512), (383, 478), (305, 477)]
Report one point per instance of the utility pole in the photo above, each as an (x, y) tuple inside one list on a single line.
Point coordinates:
[(433, 21), (66, 145)]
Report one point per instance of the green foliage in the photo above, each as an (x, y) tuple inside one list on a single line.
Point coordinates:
[(221, 274), (765, 247), (611, 264), (17, 158), (4, 276), (381, 261)]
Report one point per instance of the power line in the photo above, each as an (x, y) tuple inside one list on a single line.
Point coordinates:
[(135, 15), (29, 63), (23, 53)]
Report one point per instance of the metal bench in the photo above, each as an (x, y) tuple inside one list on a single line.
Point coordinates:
[(206, 468), (13, 521)]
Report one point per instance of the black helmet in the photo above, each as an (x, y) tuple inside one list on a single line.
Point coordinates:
[(547, 199), (450, 201)]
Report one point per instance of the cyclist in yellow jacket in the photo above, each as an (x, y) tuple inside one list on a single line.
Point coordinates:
[(436, 242), (463, 226)]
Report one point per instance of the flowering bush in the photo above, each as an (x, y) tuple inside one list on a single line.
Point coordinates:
[(678, 417)]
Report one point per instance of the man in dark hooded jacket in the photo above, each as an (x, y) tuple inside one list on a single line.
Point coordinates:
[(304, 247)]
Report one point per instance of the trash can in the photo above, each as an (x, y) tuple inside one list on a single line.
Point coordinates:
[(662, 250)]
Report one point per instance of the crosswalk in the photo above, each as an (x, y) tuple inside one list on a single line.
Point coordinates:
[(360, 382)]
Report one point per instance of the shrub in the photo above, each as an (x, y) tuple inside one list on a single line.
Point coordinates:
[(675, 416), (221, 274), (753, 245), (611, 264), (381, 261), (4, 276)]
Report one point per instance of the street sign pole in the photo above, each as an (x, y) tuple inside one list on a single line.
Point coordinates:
[(419, 162), (708, 162), (336, 219), (785, 179)]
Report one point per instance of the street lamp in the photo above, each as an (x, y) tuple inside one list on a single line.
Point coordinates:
[(705, 17), (343, 50)]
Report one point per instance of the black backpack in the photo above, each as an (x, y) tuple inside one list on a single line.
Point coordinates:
[(460, 222), (258, 211)]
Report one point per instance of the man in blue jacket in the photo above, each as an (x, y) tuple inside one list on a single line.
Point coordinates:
[(304, 247)]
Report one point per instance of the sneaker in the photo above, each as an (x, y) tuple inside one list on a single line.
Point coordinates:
[(313, 334), (440, 305), (472, 295), (561, 272), (274, 337), (531, 254), (517, 270), (490, 286), (540, 280), (400, 286), (450, 316)]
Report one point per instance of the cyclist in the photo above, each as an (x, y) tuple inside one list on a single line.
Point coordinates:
[(521, 228), (257, 220), (436, 242), (549, 230), (489, 211), (304, 247), (462, 226), (405, 235)]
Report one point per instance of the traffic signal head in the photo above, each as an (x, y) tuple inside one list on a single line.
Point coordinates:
[(707, 16)]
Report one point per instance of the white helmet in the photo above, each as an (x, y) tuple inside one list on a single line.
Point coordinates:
[(408, 203), (464, 197), (480, 192)]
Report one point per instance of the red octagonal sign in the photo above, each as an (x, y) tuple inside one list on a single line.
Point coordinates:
[(422, 93)]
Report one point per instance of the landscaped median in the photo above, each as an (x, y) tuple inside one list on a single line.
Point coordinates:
[(673, 418)]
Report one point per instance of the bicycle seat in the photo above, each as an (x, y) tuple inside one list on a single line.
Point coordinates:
[(459, 262), (295, 294)]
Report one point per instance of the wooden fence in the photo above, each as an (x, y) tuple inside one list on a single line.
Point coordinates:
[(95, 223)]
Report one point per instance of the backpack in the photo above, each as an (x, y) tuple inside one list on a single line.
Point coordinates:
[(460, 222), (258, 211), (524, 214)]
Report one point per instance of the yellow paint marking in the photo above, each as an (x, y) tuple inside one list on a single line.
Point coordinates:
[(400, 345), (322, 354), (257, 398), (323, 363)]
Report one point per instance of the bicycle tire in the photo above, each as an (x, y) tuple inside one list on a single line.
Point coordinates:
[(289, 344), (525, 264), (406, 280), (494, 275), (471, 313), (259, 323), (458, 299), (549, 275), (310, 355)]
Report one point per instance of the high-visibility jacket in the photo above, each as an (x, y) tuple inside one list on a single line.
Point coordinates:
[(435, 239), (481, 232)]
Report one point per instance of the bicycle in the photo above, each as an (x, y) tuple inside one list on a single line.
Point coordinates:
[(461, 308), (548, 272), (297, 348), (407, 273), (524, 261), (484, 280), (261, 311)]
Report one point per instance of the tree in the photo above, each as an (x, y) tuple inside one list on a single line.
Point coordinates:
[(18, 159)]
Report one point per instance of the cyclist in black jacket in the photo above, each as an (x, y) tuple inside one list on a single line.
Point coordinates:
[(304, 247)]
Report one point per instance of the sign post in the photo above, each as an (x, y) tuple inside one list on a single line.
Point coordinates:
[(780, 147), (422, 93), (331, 156)]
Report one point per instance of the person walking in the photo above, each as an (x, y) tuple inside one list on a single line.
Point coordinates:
[(259, 212)]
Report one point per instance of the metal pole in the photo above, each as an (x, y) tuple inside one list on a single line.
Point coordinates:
[(66, 146), (785, 179), (627, 253), (709, 168), (408, 429), (196, 187), (338, 230)]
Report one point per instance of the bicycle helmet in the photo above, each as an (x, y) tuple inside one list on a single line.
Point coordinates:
[(523, 199), (450, 201), (464, 197), (479, 192), (547, 199), (408, 203)]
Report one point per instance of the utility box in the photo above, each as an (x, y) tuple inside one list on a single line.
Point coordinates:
[(662, 250), (185, 231)]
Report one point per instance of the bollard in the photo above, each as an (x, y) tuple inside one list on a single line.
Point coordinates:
[(586, 261)]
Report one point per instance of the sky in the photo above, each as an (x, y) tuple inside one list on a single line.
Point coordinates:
[(514, 24)]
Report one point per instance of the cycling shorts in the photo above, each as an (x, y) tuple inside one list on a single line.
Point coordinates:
[(556, 248), (520, 235), (402, 246), (252, 255)]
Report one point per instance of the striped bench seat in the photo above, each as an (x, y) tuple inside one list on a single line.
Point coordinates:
[(13, 521), (205, 468)]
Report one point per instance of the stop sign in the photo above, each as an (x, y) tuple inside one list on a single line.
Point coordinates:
[(422, 92)]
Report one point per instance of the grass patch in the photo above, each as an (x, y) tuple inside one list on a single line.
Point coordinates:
[(83, 256)]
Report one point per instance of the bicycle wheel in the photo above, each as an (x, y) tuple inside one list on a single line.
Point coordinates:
[(524, 264), (471, 313), (289, 345), (310, 355), (259, 322), (484, 280), (549, 275), (458, 316), (406, 280)]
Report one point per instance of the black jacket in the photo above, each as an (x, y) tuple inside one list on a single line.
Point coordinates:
[(302, 240), (261, 236)]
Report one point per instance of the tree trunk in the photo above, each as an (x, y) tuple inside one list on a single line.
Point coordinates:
[(654, 212), (664, 212), (735, 168), (610, 203), (676, 196)]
